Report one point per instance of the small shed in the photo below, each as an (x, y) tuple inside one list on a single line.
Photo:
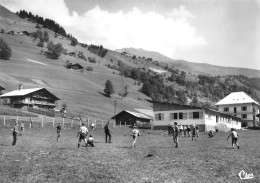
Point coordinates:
[(132, 118), (76, 66)]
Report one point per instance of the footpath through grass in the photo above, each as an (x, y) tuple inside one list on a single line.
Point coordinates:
[(38, 157)]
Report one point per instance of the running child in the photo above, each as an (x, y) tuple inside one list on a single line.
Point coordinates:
[(83, 132), (90, 141), (234, 136), (92, 126), (58, 131), (135, 134)]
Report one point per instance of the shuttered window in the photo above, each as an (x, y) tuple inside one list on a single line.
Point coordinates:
[(185, 115), (159, 117)]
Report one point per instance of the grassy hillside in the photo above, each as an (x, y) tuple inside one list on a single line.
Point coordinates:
[(82, 92), (195, 68)]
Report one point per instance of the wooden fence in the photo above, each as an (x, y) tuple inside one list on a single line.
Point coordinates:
[(41, 122)]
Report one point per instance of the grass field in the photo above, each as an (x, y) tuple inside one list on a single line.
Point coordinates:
[(38, 157)]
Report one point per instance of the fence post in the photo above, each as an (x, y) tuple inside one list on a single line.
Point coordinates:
[(53, 122), (71, 123), (30, 122), (63, 122), (4, 120), (120, 124), (125, 124), (88, 122), (102, 123), (42, 122)]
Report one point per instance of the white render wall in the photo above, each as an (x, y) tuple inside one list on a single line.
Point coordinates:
[(167, 120)]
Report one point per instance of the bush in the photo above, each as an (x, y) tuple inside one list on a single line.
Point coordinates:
[(5, 50), (89, 68), (92, 59)]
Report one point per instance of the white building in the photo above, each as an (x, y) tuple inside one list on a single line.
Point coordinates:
[(240, 105), (206, 119)]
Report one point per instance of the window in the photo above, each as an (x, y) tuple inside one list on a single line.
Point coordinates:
[(196, 115), (175, 115), (244, 108), (185, 115), (235, 110), (226, 109), (244, 116), (180, 115), (159, 116)]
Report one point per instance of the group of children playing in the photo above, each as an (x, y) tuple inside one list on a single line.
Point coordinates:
[(175, 131)]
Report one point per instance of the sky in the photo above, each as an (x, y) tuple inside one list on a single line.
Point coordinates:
[(221, 32)]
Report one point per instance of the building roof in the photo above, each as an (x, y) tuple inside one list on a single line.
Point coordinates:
[(23, 92), (147, 112), (236, 98), (136, 114)]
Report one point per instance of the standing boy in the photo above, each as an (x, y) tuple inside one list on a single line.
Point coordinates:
[(234, 136), (58, 131), (22, 126), (107, 132), (175, 135), (194, 133), (135, 134), (92, 125), (184, 130), (188, 130), (15, 133), (181, 130), (83, 132)]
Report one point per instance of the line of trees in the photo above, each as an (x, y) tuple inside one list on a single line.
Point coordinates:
[(98, 50), (5, 50)]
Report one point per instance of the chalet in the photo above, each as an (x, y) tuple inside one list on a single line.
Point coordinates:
[(37, 98), (1, 88), (76, 66), (206, 119), (26, 33), (133, 118), (239, 104)]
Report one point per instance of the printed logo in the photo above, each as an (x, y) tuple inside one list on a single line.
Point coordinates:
[(243, 175)]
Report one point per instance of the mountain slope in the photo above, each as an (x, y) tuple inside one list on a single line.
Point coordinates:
[(195, 68)]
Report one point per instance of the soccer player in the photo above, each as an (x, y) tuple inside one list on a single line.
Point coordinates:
[(90, 141), (234, 136), (107, 133), (135, 134), (92, 125), (181, 130), (184, 130), (175, 134), (58, 131), (188, 130), (197, 130), (83, 132), (210, 134), (22, 126), (15, 133), (194, 133)]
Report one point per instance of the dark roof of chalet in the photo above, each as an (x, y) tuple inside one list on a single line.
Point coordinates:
[(164, 106), (2, 88), (136, 114), (258, 115), (24, 92), (78, 66)]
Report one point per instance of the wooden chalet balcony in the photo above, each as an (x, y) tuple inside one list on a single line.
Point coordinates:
[(34, 103)]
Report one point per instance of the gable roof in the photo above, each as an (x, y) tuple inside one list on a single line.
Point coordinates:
[(147, 112), (136, 114), (237, 98), (76, 66), (2, 88), (23, 92)]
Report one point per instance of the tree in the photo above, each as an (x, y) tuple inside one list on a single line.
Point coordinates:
[(195, 101), (74, 42), (46, 36), (5, 50), (109, 89), (54, 50)]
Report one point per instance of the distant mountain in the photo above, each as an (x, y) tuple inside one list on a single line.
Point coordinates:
[(196, 68)]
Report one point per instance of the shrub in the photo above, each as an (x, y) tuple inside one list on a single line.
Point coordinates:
[(89, 68), (109, 89), (5, 50), (54, 50), (92, 59)]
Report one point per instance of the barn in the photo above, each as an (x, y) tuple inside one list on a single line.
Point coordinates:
[(76, 66), (133, 118)]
